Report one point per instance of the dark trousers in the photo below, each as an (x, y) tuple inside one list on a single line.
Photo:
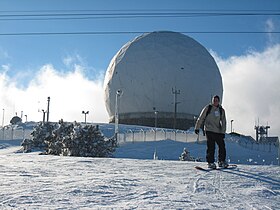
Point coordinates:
[(213, 138)]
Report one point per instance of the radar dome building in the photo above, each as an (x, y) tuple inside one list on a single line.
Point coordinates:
[(165, 79)]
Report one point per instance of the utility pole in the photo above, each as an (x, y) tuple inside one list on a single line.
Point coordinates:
[(175, 92)]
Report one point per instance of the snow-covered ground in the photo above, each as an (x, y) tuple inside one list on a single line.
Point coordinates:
[(133, 180)]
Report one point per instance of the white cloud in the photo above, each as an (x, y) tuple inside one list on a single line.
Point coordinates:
[(270, 27), (72, 60), (70, 94), (3, 54), (252, 90)]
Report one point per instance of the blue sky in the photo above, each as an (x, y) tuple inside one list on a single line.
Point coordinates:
[(30, 64)]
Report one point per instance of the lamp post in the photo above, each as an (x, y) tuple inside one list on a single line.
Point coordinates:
[(25, 118), (231, 125), (156, 119), (85, 113), (3, 137), (3, 117), (48, 109), (118, 94), (175, 92), (44, 115)]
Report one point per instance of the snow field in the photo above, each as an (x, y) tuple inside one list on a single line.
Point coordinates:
[(32, 181)]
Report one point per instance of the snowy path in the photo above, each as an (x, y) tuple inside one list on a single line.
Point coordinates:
[(32, 181)]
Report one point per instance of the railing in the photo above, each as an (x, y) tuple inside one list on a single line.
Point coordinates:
[(266, 147), (10, 133), (130, 135), (153, 134), (254, 145), (157, 135)]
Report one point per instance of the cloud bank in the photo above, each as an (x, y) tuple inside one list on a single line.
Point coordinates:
[(251, 92), (70, 94)]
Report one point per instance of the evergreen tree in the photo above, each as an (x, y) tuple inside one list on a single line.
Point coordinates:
[(70, 139)]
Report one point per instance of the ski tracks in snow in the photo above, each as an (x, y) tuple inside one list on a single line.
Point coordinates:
[(234, 189), (32, 181), (210, 184)]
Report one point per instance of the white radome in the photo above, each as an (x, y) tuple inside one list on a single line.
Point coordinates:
[(149, 69)]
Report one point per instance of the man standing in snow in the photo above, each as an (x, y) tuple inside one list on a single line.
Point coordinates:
[(213, 119)]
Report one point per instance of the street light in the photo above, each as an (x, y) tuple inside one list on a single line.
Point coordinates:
[(25, 118), (44, 115), (119, 93), (48, 109), (85, 113), (175, 92), (231, 125), (156, 113), (3, 118)]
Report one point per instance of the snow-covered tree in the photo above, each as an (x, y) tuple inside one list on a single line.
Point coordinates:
[(70, 139), (41, 133)]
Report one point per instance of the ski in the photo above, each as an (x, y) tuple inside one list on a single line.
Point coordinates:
[(232, 166)]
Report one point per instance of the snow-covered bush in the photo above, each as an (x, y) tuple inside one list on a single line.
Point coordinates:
[(185, 156), (40, 134), (70, 139)]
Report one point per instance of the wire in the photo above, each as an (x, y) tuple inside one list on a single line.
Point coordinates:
[(132, 32), (102, 14), (139, 10), (129, 14)]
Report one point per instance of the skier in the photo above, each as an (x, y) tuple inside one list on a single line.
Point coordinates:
[(213, 120)]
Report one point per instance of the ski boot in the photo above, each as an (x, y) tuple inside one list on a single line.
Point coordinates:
[(223, 164), (212, 165)]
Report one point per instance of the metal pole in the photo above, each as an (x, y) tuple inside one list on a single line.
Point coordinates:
[(48, 109), (175, 92), (278, 151), (116, 117), (85, 113), (43, 115), (156, 113), (3, 117), (118, 94)]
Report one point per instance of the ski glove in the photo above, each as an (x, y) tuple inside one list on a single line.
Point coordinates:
[(196, 131)]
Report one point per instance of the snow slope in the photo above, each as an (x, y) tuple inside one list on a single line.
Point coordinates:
[(32, 181), (133, 180), (171, 150)]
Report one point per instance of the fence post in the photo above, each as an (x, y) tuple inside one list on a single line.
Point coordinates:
[(3, 128), (278, 151), (12, 133)]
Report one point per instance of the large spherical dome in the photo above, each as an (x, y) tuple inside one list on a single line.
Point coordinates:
[(166, 72)]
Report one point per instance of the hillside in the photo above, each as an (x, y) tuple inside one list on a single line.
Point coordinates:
[(132, 180)]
